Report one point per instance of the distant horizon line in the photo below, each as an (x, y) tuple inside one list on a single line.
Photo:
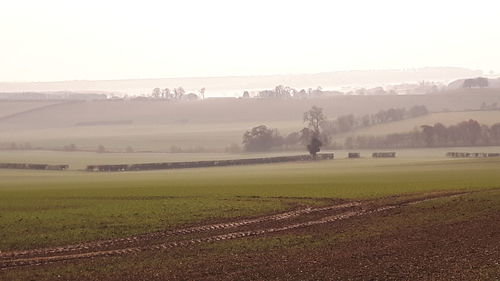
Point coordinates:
[(247, 75)]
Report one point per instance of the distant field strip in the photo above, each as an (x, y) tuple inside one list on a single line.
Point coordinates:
[(102, 248)]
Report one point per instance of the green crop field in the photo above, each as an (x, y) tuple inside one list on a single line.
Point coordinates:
[(41, 208)]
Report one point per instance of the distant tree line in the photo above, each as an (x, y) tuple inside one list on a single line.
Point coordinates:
[(466, 133), (286, 92), (318, 133), (176, 94), (319, 130), (346, 123)]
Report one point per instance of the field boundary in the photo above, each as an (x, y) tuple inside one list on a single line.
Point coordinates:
[(206, 163), (27, 166)]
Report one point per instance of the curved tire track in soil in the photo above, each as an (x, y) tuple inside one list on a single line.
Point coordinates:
[(163, 234), (49, 255)]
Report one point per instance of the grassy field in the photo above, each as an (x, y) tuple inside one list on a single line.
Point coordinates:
[(41, 208), (439, 240)]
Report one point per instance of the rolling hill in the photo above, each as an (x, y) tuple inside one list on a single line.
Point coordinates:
[(212, 123), (12, 108)]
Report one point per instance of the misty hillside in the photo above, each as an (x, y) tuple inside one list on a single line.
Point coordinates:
[(210, 123), (228, 110), (9, 108)]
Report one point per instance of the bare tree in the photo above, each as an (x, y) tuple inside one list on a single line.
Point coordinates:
[(101, 149), (202, 93), (156, 93), (166, 94), (314, 117), (178, 93)]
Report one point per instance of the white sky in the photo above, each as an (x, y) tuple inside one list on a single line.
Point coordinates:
[(66, 40)]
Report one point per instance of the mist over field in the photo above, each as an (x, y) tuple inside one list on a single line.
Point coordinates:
[(168, 124), (249, 140)]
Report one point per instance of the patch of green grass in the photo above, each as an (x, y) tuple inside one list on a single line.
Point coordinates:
[(41, 208), (60, 219)]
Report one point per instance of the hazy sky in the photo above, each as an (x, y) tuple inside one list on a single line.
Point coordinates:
[(66, 40)]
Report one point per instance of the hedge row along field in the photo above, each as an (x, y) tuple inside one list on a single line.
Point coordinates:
[(384, 154), (471, 155), (33, 166), (203, 164)]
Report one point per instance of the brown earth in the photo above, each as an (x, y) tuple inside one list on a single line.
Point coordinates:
[(459, 251)]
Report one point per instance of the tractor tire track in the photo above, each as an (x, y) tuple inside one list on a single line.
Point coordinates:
[(18, 261), (163, 234), (164, 246)]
